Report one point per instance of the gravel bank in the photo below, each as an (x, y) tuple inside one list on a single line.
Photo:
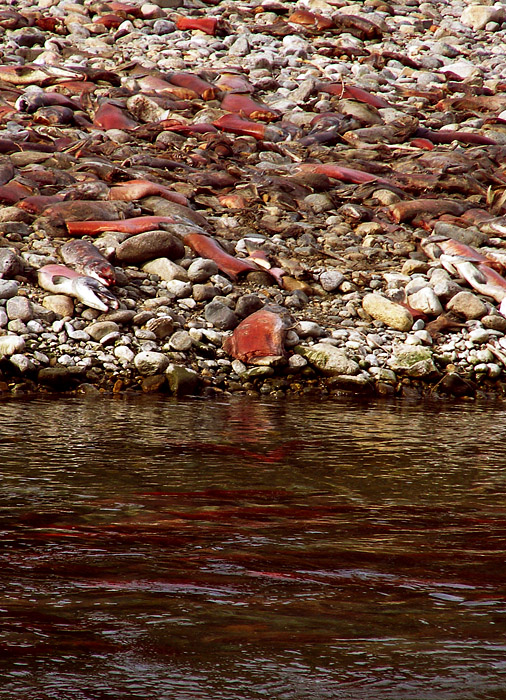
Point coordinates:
[(277, 197)]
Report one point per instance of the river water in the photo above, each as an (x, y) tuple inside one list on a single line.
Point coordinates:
[(235, 550)]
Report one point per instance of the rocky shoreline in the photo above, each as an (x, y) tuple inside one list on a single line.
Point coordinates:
[(294, 197)]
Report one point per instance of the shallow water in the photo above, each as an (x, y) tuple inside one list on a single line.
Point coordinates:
[(234, 550)]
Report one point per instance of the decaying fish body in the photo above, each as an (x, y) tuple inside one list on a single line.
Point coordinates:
[(109, 116), (479, 276), (408, 210), (495, 226), (437, 245), (210, 249), (62, 280), (137, 224), (189, 80), (132, 190), (245, 106), (309, 19), (32, 74), (259, 339), (338, 172), (32, 100), (235, 124), (354, 93), (88, 260), (208, 25)]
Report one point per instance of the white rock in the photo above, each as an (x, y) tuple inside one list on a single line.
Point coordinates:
[(478, 16), (166, 269), (22, 362), (124, 354), (424, 336), (426, 301), (179, 288), (309, 329), (149, 362), (479, 336), (11, 344), (464, 69)]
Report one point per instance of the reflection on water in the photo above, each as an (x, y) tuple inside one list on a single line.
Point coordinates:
[(227, 551)]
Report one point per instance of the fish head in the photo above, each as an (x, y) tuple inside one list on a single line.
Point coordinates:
[(92, 293)]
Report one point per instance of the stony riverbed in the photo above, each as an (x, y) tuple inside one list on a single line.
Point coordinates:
[(334, 147)]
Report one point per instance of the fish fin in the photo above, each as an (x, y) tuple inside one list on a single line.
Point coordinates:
[(58, 279)]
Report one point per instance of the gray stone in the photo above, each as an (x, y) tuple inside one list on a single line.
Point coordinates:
[(201, 270), (8, 289), (222, 283), (479, 336), (468, 305), (309, 329), (415, 285), (161, 326), (35, 327), (328, 359), (413, 361), (330, 280), (22, 363), (179, 288), (99, 329), (319, 202), (121, 316), (17, 326), (149, 362), (470, 236), (382, 374), (19, 308), (181, 341), (204, 292), (221, 316), (391, 314), (10, 264), (78, 336), (4, 319), (110, 338), (240, 47), (349, 382), (446, 289), (61, 377), (150, 245), (163, 26), (297, 362), (248, 304)]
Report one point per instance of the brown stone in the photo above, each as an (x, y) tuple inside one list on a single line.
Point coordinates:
[(60, 304)]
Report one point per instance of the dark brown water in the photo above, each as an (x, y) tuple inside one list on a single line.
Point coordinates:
[(152, 549)]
